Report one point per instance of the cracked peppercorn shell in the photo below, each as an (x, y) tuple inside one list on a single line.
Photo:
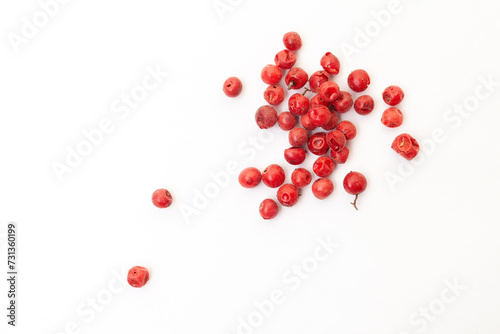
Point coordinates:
[(406, 146), (285, 59), (393, 95)]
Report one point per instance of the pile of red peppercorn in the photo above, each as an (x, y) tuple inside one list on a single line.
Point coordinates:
[(320, 111)]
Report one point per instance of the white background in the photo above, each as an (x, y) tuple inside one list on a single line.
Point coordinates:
[(394, 255)]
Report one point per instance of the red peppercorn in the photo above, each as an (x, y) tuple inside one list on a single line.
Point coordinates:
[(406, 146), (250, 177), (271, 74), (317, 101), (392, 117), (298, 137), (268, 209), (301, 177), (292, 41), (274, 95), (329, 91), (232, 87), (296, 78), (322, 188), (364, 105), (330, 63), (323, 166), (286, 121), (295, 155), (317, 79), (298, 104), (266, 117), (354, 184), (343, 103), (340, 157), (138, 276), (348, 129), (393, 95), (336, 140), (305, 121), (317, 144), (273, 176), (288, 195), (319, 116), (332, 122), (161, 198), (285, 59), (358, 80)]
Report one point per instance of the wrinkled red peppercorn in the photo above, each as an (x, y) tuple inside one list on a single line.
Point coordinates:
[(138, 276), (406, 146)]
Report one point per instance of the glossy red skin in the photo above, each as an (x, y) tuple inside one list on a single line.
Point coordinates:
[(286, 121), (332, 122), (268, 209), (298, 137), (298, 104), (340, 157), (288, 195), (250, 177), (292, 41), (329, 91), (295, 155), (348, 129), (393, 95), (322, 188), (296, 78), (319, 116), (317, 79), (343, 103), (323, 166), (336, 140), (406, 146), (285, 59), (358, 80), (330, 63), (317, 144), (271, 74), (354, 183), (266, 117), (274, 95), (232, 87), (138, 276), (305, 121), (161, 198), (317, 101), (392, 117), (364, 104), (301, 177), (273, 176)]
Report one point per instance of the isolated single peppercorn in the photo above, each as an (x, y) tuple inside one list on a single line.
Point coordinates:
[(138, 276)]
